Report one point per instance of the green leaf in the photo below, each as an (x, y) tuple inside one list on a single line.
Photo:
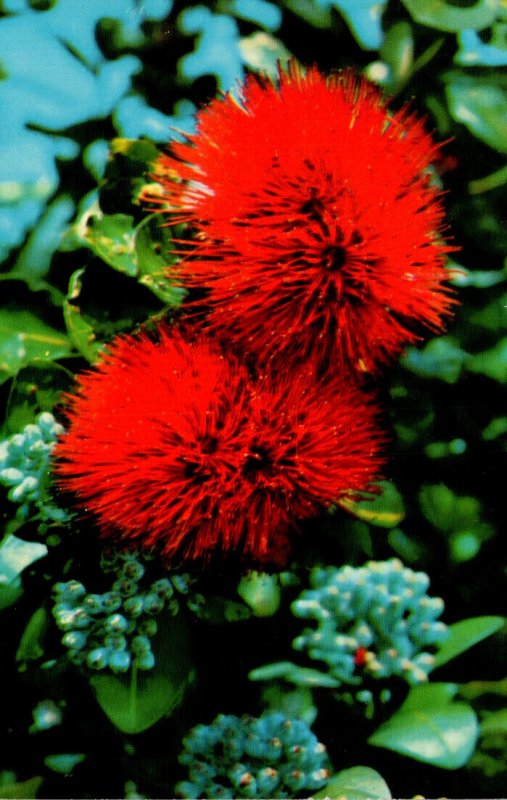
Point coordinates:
[(441, 358), (111, 237), (10, 593), (494, 723), (459, 517), (79, 325), (130, 161), (269, 672), (263, 53), (37, 387), (142, 251), (449, 17), (494, 316), (25, 790), (294, 703), (153, 258), (137, 701), (465, 634), (64, 762), (30, 647), (299, 676), (430, 727), (16, 555), (305, 676), (385, 510), (261, 592), (217, 610), (481, 106), (397, 52), (356, 783), (492, 363), (364, 20), (24, 337)]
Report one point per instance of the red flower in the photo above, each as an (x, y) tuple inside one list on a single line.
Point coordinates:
[(171, 445), (317, 228)]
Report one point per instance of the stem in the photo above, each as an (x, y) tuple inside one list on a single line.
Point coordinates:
[(133, 694), (493, 181)]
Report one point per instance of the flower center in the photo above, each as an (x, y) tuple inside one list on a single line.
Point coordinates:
[(334, 257), (259, 459)]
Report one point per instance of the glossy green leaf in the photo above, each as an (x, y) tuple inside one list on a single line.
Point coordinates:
[(24, 337), (406, 548), (131, 160), (263, 52), (441, 358), (492, 363), (305, 676), (494, 723), (430, 727), (24, 790), (269, 672), (294, 703), (153, 260), (137, 701), (79, 325), (465, 634), (142, 251), (37, 387), (364, 20), (385, 510), (111, 237), (30, 646), (299, 676), (397, 52), (447, 511), (497, 427), (64, 762), (474, 52), (475, 689), (10, 593), (450, 17), (16, 555), (261, 592), (481, 106), (218, 610), (494, 316), (356, 783)]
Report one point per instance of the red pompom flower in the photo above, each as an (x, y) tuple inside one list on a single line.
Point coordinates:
[(173, 446), (317, 229)]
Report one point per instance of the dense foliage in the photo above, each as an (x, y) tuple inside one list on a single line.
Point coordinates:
[(348, 671)]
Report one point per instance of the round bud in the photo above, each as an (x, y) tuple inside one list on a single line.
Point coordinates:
[(116, 623), (75, 640), (132, 570), (115, 641), (111, 601), (125, 587), (134, 606), (93, 603), (163, 588), (153, 604), (145, 661), (98, 658), (119, 661), (140, 644), (148, 627)]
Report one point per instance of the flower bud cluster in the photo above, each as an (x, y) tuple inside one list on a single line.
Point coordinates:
[(25, 468), (269, 756), (114, 629), (375, 621)]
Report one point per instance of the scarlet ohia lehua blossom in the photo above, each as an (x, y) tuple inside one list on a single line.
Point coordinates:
[(316, 227), (173, 446)]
